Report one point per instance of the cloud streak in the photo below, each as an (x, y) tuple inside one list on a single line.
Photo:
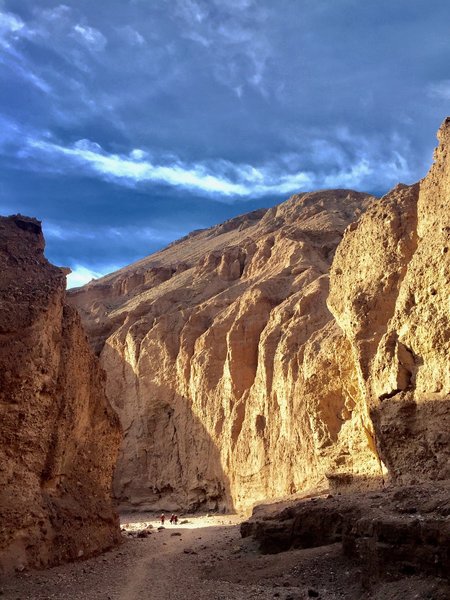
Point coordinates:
[(92, 38), (220, 179)]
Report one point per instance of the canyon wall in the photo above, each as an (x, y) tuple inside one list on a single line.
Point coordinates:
[(59, 436), (390, 294), (232, 382), (239, 375)]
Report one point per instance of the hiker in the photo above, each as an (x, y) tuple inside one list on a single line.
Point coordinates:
[(163, 518), (172, 519), (175, 519)]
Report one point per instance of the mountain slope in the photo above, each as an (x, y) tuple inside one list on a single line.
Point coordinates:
[(221, 357)]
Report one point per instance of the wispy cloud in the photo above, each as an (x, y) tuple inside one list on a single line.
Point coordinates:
[(25, 73), (90, 37), (81, 275), (233, 32), (216, 179), (145, 233), (131, 35), (10, 26), (52, 29), (440, 89), (134, 169)]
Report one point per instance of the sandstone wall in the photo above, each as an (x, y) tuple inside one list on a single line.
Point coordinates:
[(59, 436), (232, 382), (390, 293)]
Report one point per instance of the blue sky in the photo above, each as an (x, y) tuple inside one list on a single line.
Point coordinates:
[(124, 124)]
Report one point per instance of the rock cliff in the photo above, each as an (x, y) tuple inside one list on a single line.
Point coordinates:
[(240, 375), (59, 436), (232, 382), (389, 293)]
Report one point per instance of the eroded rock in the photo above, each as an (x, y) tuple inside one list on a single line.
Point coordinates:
[(231, 381), (379, 531), (59, 436), (389, 293)]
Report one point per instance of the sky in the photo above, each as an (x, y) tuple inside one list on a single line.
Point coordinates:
[(125, 124)]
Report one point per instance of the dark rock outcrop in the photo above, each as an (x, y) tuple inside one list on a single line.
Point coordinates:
[(59, 436), (400, 530)]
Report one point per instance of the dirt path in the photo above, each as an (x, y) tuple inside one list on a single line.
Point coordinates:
[(206, 559)]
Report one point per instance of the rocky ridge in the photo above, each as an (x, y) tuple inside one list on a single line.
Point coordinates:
[(232, 382), (240, 374), (59, 436), (390, 533)]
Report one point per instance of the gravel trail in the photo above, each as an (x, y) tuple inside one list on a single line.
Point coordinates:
[(206, 559)]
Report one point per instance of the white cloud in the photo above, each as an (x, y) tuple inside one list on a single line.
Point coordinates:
[(92, 38), (81, 275), (247, 180), (10, 22), (220, 179), (10, 26), (131, 35), (440, 89)]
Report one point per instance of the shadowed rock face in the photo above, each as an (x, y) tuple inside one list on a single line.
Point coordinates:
[(59, 436), (232, 381), (398, 530)]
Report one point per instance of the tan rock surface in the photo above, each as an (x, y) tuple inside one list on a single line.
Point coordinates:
[(390, 285), (231, 380), (59, 436)]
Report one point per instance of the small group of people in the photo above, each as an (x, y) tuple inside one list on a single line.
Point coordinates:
[(173, 519)]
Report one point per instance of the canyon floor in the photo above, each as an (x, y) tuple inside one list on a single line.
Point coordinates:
[(206, 559)]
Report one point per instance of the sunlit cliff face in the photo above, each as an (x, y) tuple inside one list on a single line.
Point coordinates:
[(235, 383), (231, 380), (393, 307)]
